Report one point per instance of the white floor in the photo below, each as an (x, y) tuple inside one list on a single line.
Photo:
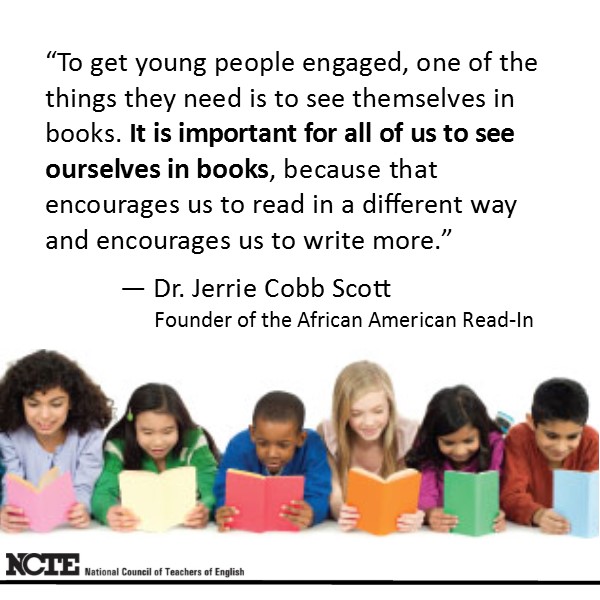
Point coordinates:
[(321, 553)]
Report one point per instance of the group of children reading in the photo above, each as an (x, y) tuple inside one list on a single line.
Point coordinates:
[(53, 415)]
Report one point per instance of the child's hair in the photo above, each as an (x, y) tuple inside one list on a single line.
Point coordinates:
[(560, 400), (356, 380), (279, 407), (42, 371), (159, 398), (448, 411)]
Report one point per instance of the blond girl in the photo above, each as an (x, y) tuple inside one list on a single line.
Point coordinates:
[(365, 431)]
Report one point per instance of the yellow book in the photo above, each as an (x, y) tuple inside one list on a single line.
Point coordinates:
[(159, 500)]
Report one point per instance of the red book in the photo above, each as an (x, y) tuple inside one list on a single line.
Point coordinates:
[(259, 499), (47, 505)]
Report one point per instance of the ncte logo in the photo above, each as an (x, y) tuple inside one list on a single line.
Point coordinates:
[(32, 563)]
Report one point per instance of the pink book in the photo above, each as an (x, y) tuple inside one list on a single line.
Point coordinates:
[(45, 505), (259, 499)]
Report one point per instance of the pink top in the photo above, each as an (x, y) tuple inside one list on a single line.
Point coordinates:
[(432, 479), (406, 430)]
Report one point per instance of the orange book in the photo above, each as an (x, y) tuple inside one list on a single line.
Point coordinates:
[(381, 501), (259, 499)]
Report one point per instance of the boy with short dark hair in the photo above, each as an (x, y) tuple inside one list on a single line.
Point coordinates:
[(277, 444), (555, 436)]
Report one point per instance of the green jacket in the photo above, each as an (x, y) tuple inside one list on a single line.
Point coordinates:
[(195, 453)]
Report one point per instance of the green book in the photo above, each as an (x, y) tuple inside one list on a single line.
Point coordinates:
[(474, 499)]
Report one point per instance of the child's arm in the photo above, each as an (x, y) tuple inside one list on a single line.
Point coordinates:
[(431, 501), (224, 516), (79, 516), (409, 522), (206, 468), (119, 518), (88, 468), (11, 460), (107, 492), (590, 450), (239, 454), (219, 486), (439, 521), (550, 522), (430, 493), (12, 519), (106, 498), (317, 477), (500, 522), (496, 464), (497, 451), (516, 498), (348, 517), (300, 513), (231, 460), (336, 498), (197, 517)]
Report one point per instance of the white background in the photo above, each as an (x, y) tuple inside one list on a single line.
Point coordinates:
[(541, 262)]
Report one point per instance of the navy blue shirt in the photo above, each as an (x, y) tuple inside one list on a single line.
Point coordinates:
[(309, 460)]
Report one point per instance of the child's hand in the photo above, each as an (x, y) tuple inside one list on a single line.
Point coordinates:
[(299, 513), (348, 517), (500, 522), (78, 516), (224, 516), (439, 521), (197, 517), (551, 522), (121, 519), (12, 519), (410, 522)]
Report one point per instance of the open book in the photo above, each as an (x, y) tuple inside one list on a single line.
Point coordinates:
[(575, 497), (381, 501), (474, 499), (45, 505), (259, 499), (159, 500)]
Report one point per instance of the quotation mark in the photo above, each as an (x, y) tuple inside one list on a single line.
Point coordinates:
[(51, 54), (445, 233)]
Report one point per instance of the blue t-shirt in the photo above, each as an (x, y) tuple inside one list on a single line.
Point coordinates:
[(309, 460), (81, 455)]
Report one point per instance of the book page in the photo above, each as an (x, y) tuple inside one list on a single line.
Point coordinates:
[(237, 197), (48, 477), (159, 501)]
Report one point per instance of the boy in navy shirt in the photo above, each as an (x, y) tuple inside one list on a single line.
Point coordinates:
[(277, 444)]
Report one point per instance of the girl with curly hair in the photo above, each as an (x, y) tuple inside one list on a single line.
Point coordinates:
[(456, 434), (51, 415), (365, 431), (156, 433)]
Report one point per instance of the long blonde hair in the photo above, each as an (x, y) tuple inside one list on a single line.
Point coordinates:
[(356, 380)]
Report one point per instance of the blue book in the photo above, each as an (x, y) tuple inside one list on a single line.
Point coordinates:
[(576, 499)]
